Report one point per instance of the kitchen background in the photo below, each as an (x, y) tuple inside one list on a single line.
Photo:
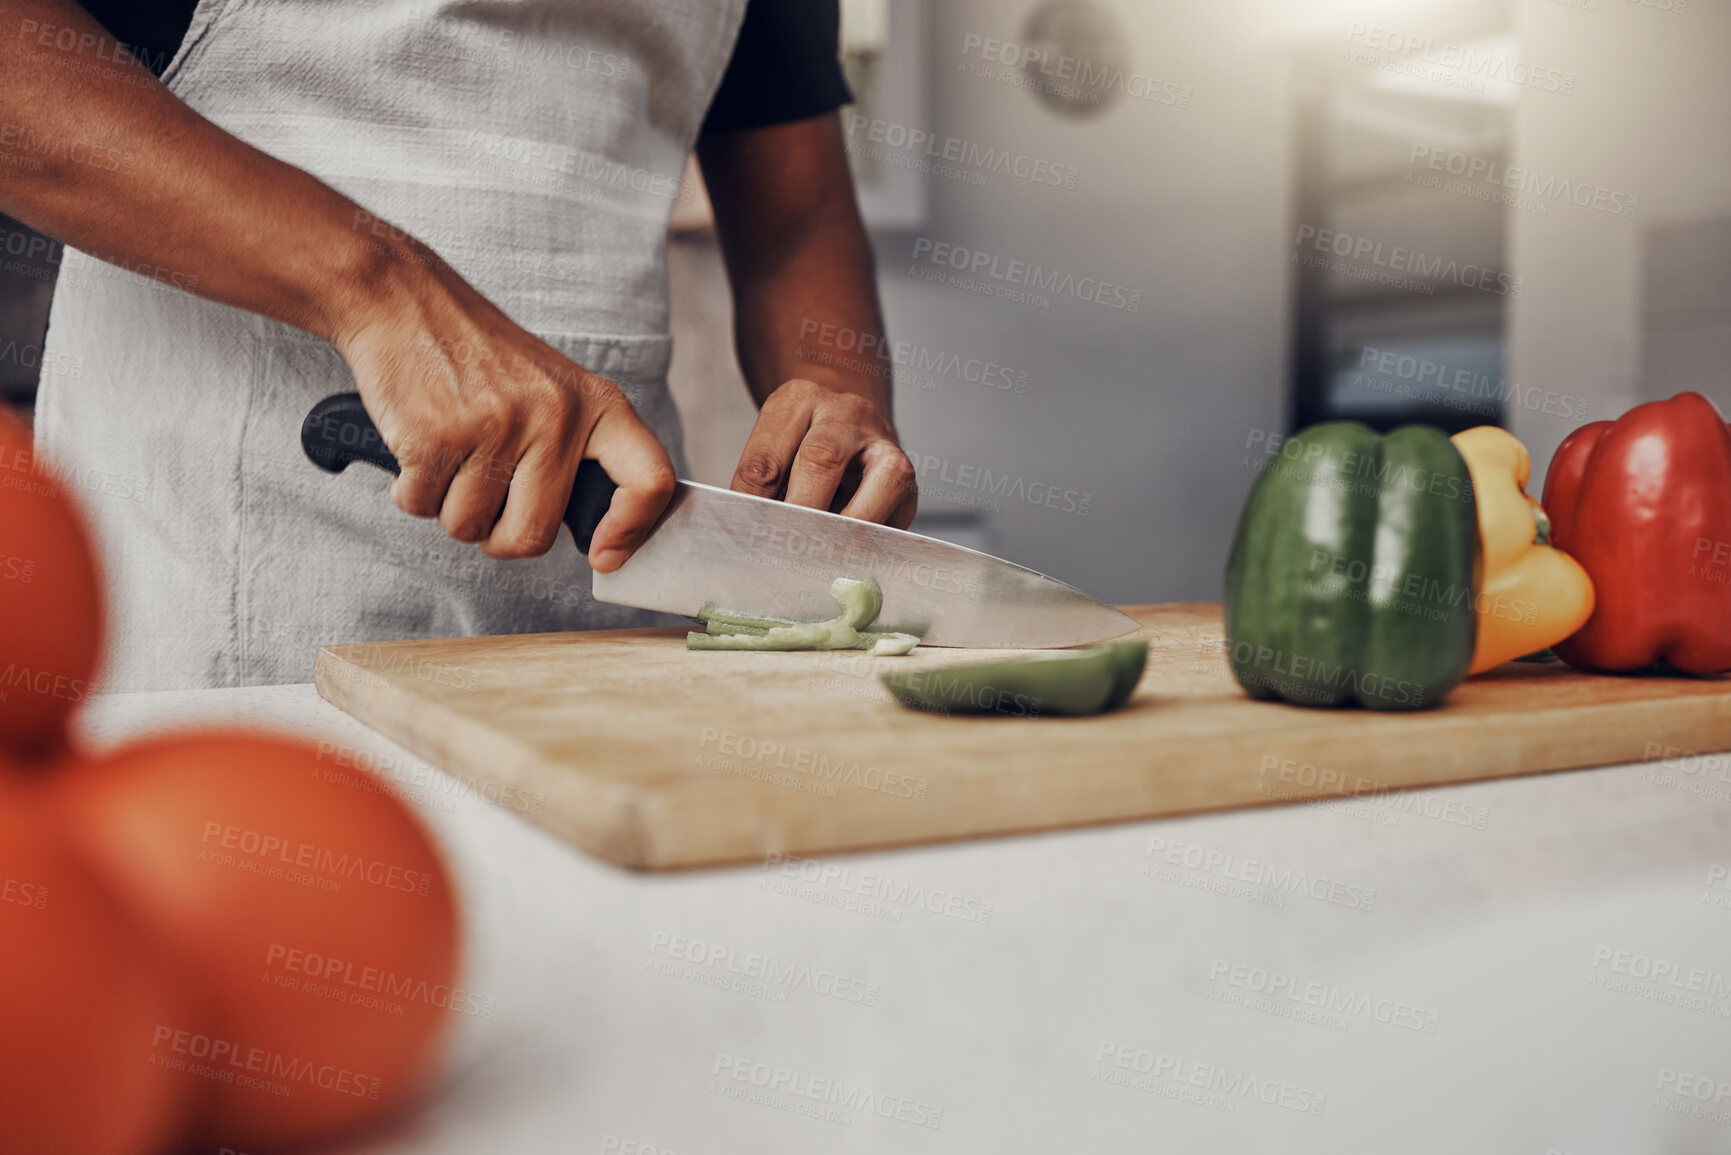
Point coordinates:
[(1125, 245)]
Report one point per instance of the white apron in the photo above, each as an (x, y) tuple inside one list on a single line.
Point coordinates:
[(537, 145)]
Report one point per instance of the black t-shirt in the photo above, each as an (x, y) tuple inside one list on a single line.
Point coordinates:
[(784, 67)]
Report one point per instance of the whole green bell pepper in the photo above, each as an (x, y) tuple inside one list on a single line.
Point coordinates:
[(1353, 571)]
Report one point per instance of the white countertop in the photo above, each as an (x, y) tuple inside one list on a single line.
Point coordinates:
[(1457, 971)]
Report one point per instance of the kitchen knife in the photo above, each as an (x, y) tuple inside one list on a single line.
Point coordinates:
[(755, 555)]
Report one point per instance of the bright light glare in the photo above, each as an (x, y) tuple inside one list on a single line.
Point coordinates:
[(865, 25), (1325, 20)]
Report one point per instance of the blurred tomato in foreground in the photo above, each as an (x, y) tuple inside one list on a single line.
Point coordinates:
[(306, 910), (50, 599), (83, 997)]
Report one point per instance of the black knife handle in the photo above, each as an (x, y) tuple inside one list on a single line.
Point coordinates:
[(337, 431)]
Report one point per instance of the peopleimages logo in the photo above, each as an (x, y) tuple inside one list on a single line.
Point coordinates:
[(978, 158), (21, 893), (1682, 1092), (1256, 872), (225, 1061), (791, 1090), (257, 849), (1226, 1088), (1526, 180), (815, 765), (79, 43), (1399, 259), (978, 264), (1306, 780), (566, 161), (1470, 60), (1671, 973), (967, 479), (765, 967), (876, 354), (25, 141), (32, 357), (1296, 457), (880, 887), (1476, 389), (1326, 997), (1312, 678), (29, 246), (369, 986), (1089, 78)]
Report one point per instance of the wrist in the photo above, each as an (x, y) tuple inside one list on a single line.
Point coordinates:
[(870, 381), (380, 273)]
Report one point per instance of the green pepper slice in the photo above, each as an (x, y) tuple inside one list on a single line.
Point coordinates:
[(860, 603), (1069, 683)]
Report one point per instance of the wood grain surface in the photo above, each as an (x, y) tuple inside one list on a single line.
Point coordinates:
[(652, 756)]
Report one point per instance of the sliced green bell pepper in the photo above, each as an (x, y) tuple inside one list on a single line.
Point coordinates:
[(860, 603), (1064, 682)]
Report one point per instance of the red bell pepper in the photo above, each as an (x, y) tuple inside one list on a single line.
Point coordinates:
[(1644, 504)]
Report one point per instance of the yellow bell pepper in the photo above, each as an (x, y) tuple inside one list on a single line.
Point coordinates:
[(1532, 595)]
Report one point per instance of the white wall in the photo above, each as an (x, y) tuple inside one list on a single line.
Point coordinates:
[(1650, 117), (1146, 413)]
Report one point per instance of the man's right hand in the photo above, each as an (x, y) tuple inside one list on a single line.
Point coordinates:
[(488, 422)]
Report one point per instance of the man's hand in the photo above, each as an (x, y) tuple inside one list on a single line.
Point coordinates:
[(489, 423), (799, 262), (829, 450)]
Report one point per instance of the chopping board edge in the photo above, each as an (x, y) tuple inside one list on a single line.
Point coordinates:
[(1466, 767), (610, 820), (1151, 769)]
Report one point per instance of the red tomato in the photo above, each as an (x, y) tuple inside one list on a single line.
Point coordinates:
[(50, 600), (84, 1003), (306, 908)]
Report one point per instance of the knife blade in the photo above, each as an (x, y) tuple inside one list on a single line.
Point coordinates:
[(756, 555)]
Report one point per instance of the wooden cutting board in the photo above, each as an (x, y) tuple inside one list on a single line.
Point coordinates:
[(648, 755)]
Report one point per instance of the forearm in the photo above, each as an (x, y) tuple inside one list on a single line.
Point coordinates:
[(798, 259), (122, 169), (814, 314)]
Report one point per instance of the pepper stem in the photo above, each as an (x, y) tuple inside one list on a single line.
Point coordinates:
[(1541, 526)]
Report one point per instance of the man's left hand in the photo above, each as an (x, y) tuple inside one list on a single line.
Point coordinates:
[(828, 449)]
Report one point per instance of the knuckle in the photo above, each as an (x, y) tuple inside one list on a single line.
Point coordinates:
[(555, 401), (824, 452), (761, 470), (853, 407), (464, 522), (578, 387), (417, 493), (416, 502), (795, 393), (898, 468), (490, 420), (539, 539), (530, 541), (661, 481), (601, 387), (601, 400), (900, 473), (632, 538), (427, 454), (466, 529)]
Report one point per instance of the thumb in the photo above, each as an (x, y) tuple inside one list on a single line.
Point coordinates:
[(640, 467)]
